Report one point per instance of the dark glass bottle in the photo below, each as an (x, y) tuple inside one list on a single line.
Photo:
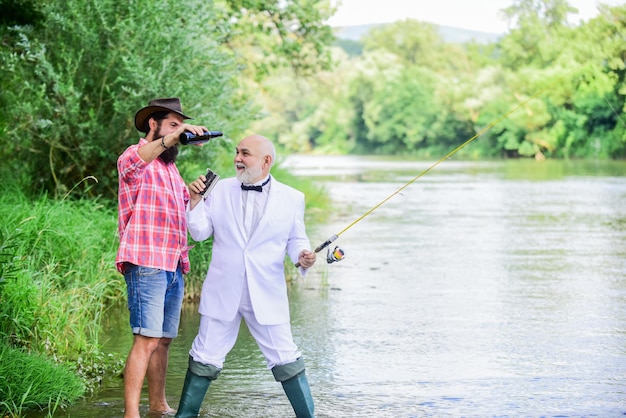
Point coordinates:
[(187, 138)]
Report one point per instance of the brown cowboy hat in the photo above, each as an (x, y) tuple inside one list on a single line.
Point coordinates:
[(171, 104)]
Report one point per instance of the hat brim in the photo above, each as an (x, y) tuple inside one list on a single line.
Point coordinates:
[(142, 116)]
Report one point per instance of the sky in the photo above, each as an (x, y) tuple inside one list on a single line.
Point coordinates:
[(479, 15)]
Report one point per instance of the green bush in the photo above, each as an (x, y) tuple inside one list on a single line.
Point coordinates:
[(73, 82), (60, 255), (30, 381)]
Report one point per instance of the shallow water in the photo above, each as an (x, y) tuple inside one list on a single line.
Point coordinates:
[(484, 289)]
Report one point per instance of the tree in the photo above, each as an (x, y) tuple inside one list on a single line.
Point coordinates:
[(71, 86), (71, 83), (535, 35), (20, 12), (410, 91), (273, 33), (400, 112)]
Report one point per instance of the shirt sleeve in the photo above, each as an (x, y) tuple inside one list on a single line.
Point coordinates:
[(198, 221), (130, 165), (298, 240)]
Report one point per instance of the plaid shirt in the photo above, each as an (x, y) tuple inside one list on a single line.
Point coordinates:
[(152, 223)]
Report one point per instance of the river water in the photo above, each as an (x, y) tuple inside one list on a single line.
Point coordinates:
[(484, 289)]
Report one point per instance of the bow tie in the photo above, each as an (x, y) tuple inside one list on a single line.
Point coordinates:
[(255, 188)]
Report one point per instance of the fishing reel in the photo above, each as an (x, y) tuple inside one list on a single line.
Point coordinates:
[(336, 255), (331, 256)]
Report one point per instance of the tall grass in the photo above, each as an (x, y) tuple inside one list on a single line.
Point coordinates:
[(58, 274), (64, 272), (30, 381), (57, 278)]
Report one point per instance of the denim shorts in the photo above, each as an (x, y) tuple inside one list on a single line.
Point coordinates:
[(155, 298)]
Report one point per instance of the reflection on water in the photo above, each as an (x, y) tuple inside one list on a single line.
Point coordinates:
[(483, 289)]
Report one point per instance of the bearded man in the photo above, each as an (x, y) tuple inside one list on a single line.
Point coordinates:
[(255, 221), (153, 252)]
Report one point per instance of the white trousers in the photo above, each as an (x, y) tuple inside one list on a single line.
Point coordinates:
[(216, 338)]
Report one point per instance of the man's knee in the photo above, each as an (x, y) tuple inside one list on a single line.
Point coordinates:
[(206, 370), (165, 343), (146, 345), (287, 371)]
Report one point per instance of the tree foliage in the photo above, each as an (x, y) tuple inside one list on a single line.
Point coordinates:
[(75, 72), (409, 91), (275, 33)]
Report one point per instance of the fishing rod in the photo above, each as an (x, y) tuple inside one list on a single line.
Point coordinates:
[(338, 254), (619, 117)]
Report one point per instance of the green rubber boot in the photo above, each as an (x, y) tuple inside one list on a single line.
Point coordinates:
[(199, 377), (296, 387)]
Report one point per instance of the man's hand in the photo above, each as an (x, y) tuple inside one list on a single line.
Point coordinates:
[(306, 259), (196, 188), (149, 152), (185, 127)]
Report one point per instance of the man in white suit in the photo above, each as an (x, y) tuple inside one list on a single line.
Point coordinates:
[(254, 220)]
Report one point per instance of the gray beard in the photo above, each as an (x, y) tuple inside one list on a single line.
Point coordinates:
[(249, 174)]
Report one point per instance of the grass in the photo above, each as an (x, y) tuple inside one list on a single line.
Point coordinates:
[(57, 278), (31, 381), (60, 255)]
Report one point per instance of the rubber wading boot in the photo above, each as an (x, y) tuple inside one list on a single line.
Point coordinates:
[(199, 377), (296, 387)]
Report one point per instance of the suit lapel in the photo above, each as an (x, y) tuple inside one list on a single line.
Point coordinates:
[(273, 199)]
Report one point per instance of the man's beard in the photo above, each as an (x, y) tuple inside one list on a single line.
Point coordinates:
[(169, 155), (248, 174)]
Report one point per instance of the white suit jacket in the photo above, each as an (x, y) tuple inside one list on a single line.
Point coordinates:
[(259, 259)]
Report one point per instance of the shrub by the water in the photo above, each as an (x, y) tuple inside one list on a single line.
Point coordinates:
[(30, 381), (57, 274)]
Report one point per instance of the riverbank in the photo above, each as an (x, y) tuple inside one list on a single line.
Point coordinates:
[(58, 278)]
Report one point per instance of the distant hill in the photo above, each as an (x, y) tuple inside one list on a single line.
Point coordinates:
[(449, 34)]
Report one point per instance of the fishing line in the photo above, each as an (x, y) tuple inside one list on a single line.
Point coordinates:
[(338, 254), (615, 111)]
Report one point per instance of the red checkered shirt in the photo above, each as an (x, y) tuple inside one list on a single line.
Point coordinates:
[(152, 223)]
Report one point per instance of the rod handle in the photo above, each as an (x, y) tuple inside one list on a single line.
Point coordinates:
[(322, 246)]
